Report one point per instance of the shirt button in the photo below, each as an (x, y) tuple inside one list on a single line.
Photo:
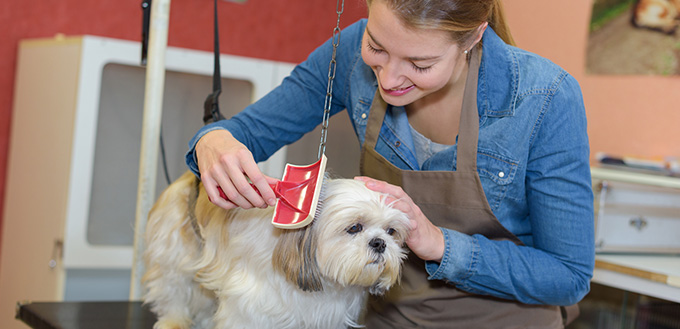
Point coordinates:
[(501, 174), (363, 115)]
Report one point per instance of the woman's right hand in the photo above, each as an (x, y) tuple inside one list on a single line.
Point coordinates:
[(227, 164)]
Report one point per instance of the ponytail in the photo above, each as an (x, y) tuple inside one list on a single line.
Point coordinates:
[(498, 23)]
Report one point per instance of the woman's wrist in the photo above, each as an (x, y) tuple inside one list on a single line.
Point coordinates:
[(439, 246)]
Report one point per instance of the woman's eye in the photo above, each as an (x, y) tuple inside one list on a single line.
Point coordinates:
[(421, 69), (373, 49), (354, 229)]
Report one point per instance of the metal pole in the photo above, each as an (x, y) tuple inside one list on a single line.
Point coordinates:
[(153, 103)]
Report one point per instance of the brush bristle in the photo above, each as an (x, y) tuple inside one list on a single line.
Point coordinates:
[(322, 195)]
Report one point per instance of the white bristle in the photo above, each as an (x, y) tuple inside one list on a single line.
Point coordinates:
[(322, 194)]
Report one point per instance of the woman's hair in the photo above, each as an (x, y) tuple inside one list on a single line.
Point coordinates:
[(459, 17)]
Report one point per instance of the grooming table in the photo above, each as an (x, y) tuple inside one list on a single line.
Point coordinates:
[(86, 315)]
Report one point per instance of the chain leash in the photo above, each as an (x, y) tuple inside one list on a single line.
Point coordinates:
[(335, 40)]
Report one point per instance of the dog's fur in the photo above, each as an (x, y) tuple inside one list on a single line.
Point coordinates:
[(235, 270), (662, 15)]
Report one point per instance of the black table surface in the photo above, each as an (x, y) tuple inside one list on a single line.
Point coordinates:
[(86, 315)]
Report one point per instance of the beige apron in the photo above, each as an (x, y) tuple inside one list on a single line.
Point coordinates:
[(455, 200)]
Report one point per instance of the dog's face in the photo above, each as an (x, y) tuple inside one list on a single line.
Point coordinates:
[(356, 241)]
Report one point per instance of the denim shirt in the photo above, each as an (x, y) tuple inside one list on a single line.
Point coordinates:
[(533, 162)]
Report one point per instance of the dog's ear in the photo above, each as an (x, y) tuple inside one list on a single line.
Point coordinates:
[(295, 256)]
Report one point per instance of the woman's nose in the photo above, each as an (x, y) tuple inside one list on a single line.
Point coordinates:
[(391, 76)]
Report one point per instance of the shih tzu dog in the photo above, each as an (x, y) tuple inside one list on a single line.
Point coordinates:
[(211, 268)]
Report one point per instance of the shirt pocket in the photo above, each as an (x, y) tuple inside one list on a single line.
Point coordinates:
[(497, 173), (359, 116), (360, 112)]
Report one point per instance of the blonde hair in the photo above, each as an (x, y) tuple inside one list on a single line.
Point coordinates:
[(459, 17)]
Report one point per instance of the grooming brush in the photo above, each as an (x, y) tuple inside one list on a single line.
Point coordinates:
[(298, 194)]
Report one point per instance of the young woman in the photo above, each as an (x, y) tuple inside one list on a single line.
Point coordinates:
[(482, 144)]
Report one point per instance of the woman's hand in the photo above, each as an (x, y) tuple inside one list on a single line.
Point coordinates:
[(425, 239), (227, 164)]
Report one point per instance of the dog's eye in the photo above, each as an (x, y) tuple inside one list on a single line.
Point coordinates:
[(354, 229), (391, 231)]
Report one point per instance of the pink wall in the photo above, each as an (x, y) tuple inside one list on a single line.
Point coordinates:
[(627, 115)]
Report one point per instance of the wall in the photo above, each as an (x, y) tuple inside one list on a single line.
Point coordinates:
[(627, 114)]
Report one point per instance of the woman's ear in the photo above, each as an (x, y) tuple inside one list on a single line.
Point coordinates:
[(295, 257), (479, 33)]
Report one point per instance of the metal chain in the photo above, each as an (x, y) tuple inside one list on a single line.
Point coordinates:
[(335, 40)]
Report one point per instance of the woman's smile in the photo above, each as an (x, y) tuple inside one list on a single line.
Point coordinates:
[(398, 91)]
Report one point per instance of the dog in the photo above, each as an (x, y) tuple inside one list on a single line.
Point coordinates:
[(661, 15), (212, 268)]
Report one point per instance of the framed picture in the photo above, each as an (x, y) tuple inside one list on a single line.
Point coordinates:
[(634, 37)]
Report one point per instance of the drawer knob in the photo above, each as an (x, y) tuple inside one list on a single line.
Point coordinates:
[(638, 222)]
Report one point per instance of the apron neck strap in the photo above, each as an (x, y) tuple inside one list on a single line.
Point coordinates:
[(468, 131), (466, 157), (376, 115)]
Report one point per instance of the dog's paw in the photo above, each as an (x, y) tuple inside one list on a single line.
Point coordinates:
[(172, 324)]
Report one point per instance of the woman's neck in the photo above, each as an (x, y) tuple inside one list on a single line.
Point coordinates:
[(437, 115)]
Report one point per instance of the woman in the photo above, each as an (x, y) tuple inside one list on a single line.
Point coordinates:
[(482, 144)]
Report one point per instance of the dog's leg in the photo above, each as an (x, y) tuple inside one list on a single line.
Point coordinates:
[(226, 317), (165, 323), (177, 300), (170, 254)]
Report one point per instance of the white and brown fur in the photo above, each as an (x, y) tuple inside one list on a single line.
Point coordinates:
[(235, 270), (662, 15)]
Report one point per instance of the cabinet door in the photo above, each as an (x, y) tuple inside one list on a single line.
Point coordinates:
[(636, 217), (38, 175), (119, 129)]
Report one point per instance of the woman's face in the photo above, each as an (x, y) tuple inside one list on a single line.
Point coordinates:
[(409, 64)]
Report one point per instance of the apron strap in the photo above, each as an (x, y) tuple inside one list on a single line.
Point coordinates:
[(468, 132), (376, 115)]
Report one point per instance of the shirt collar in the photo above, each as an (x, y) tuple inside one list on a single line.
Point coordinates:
[(498, 77)]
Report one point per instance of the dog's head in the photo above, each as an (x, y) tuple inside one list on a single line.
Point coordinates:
[(355, 241)]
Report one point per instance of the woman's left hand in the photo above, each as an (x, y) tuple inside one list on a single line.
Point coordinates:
[(425, 239)]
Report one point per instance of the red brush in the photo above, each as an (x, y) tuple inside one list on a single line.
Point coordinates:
[(297, 194)]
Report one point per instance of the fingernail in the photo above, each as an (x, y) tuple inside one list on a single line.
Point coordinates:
[(271, 202)]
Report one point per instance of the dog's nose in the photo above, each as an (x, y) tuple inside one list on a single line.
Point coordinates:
[(378, 245)]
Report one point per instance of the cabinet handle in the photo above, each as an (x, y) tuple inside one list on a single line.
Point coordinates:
[(57, 253), (638, 222)]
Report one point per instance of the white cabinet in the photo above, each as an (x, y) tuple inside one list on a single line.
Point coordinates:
[(636, 212), (74, 156)]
